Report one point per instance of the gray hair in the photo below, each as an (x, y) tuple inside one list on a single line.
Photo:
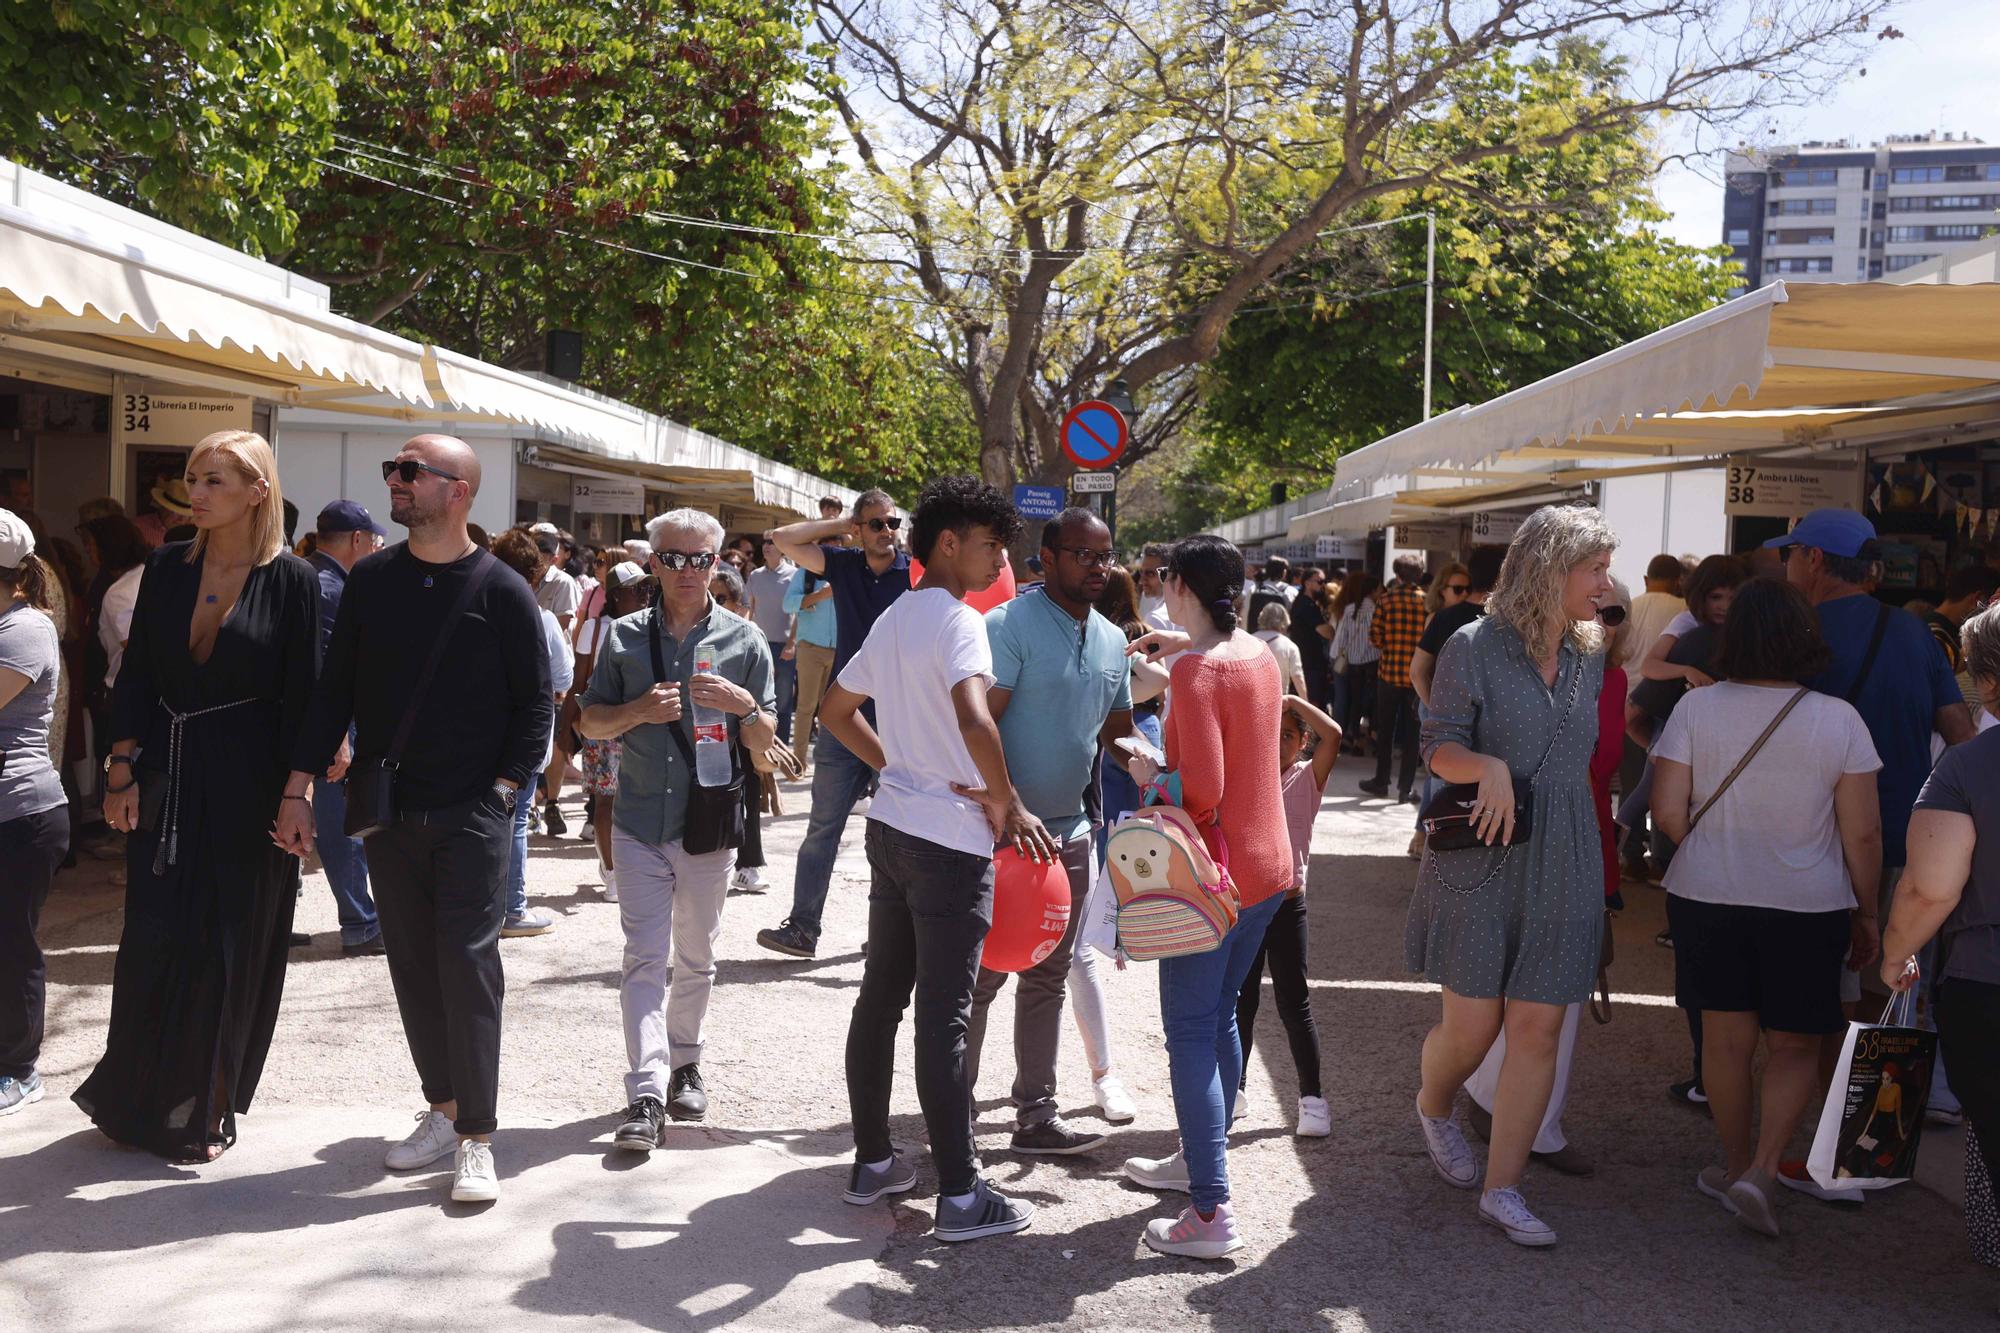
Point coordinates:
[(639, 549), (1980, 638), (687, 520), (1274, 616), (1554, 540)]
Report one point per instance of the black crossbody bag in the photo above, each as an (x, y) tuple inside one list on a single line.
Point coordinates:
[(1447, 816), (372, 802), (714, 814)]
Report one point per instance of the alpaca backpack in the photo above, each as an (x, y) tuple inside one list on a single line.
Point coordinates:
[(1173, 897)]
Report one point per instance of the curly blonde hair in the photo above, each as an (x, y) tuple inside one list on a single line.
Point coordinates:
[(1529, 594)]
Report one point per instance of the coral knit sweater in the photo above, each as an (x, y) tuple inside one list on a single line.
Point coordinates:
[(1222, 737)]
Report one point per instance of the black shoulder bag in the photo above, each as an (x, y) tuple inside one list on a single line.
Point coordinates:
[(372, 803), (714, 814)]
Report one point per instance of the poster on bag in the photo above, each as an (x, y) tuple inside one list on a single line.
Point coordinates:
[(1883, 1080)]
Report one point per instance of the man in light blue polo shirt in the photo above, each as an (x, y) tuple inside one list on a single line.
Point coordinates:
[(1061, 686)]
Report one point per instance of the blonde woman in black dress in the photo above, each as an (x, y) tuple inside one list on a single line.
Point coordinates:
[(217, 671)]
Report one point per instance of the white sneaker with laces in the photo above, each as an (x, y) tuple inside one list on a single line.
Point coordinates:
[(475, 1180), (1241, 1107), (1158, 1173), (749, 879), (610, 878), (431, 1139), (1450, 1153), (1113, 1100), (1506, 1209), (1315, 1118)]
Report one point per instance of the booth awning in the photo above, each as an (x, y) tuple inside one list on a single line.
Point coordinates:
[(752, 500), (1803, 369), (70, 297), (476, 389)]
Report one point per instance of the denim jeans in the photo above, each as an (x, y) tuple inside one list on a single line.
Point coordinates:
[(346, 862), (929, 908), (1120, 793), (31, 847), (517, 867), (1198, 1005), (839, 780), (785, 680)]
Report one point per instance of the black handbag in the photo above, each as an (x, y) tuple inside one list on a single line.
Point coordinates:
[(372, 804), (714, 814)]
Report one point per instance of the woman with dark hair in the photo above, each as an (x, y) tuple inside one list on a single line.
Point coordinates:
[(34, 815), (1311, 631), (117, 551), (1119, 602), (1709, 591), (1354, 657), (1769, 790), (219, 663), (1222, 739)]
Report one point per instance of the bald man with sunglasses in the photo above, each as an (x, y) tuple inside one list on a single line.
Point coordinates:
[(867, 578)]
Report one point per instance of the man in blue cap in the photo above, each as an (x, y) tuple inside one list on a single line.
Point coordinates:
[(346, 534)]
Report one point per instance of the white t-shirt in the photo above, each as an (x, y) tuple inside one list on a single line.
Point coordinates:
[(923, 645), (1679, 625), (1651, 613), (562, 672), (114, 620), (1771, 841), (1291, 666)]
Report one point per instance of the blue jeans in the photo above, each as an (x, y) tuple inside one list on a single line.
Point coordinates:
[(346, 863), (839, 780), (1120, 793), (785, 680), (1205, 1057), (517, 869)]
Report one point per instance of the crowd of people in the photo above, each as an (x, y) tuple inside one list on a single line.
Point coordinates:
[(1791, 760)]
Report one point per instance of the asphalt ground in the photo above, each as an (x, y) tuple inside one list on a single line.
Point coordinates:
[(739, 1223)]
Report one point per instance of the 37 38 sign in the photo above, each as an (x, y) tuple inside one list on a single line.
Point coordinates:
[(1783, 489)]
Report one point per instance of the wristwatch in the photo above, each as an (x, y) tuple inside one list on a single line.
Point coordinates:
[(111, 759), (507, 795)]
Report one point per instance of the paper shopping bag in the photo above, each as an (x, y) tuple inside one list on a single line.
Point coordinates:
[(1874, 1113), (1099, 928)]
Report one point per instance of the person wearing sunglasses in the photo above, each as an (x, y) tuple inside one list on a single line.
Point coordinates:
[(471, 738), (867, 578)]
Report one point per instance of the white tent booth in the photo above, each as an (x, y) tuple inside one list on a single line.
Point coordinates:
[(1723, 428)]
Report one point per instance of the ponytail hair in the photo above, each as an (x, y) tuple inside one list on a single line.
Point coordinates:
[(31, 579), (1211, 569)]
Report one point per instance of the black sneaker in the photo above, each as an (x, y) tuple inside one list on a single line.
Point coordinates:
[(1688, 1093), (301, 940), (552, 820), (640, 1131), (371, 947), (865, 1184), (789, 939), (1374, 788), (687, 1097), (990, 1213), (1052, 1138)]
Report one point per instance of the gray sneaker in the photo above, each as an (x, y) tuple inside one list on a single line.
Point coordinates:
[(18, 1093), (865, 1184), (990, 1213), (529, 922)]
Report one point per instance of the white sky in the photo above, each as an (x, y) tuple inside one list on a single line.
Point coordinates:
[(1941, 76)]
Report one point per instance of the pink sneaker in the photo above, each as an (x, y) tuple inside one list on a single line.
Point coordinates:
[(1190, 1236)]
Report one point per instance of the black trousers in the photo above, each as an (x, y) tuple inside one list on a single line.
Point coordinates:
[(1396, 720), (440, 881), (1285, 947), (929, 908), (31, 847), (750, 856), (1968, 1022)]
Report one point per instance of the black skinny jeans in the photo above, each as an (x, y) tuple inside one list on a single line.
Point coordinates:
[(1285, 945), (441, 883), (31, 847), (929, 908), (1396, 721)]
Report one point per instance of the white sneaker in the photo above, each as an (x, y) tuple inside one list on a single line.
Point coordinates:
[(610, 878), (1158, 1173), (1241, 1107), (1315, 1119), (1450, 1153), (431, 1139), (475, 1181), (749, 879), (1507, 1210), (1113, 1100)]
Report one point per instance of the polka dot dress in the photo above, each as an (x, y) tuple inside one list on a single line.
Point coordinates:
[(1534, 930), (1982, 1222)]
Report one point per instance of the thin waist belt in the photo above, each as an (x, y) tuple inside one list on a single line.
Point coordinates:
[(169, 849)]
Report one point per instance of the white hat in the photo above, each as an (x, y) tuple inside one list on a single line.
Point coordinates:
[(545, 530), (17, 543), (625, 573)]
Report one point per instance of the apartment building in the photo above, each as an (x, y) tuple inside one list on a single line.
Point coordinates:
[(1840, 212)]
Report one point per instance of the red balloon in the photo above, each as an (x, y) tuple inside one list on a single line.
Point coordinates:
[(1030, 911), (1003, 588)]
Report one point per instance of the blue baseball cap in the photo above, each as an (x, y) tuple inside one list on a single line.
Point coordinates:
[(348, 516), (1835, 531)]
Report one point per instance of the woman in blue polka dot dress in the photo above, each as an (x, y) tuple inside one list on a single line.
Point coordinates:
[(1512, 934)]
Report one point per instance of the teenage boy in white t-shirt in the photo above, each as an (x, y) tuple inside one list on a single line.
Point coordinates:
[(945, 799)]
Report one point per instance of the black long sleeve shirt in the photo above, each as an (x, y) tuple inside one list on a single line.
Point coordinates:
[(488, 710)]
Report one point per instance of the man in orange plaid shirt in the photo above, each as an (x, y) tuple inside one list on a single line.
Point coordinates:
[(1395, 631)]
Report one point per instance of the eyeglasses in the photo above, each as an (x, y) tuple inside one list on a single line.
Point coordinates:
[(889, 524), (1088, 558), (679, 560), (1612, 616), (408, 468), (1460, 588)]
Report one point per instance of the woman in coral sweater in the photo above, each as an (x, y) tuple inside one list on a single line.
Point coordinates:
[(1222, 738)]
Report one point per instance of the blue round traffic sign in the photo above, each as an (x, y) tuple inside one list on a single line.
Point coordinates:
[(1094, 434)]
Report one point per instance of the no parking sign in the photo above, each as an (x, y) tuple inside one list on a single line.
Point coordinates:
[(1094, 434)]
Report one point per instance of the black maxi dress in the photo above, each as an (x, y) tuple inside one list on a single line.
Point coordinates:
[(209, 897)]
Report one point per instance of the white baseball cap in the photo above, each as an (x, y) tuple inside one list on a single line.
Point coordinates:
[(17, 543), (545, 530), (625, 573)]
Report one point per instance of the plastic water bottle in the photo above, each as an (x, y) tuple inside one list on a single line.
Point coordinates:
[(711, 733)]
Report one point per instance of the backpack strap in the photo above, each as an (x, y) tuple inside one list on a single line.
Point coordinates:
[(1874, 646)]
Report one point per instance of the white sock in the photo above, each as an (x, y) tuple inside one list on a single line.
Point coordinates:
[(962, 1200), (882, 1165)]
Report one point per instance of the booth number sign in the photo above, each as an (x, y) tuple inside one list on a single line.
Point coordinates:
[(1786, 490)]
